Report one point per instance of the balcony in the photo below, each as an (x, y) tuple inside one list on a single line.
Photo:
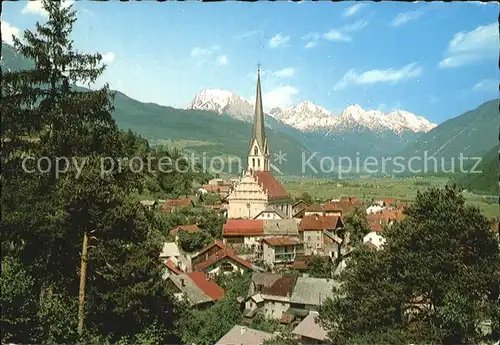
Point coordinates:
[(284, 257)]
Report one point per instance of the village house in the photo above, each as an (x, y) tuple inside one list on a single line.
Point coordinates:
[(311, 231), (174, 232), (258, 188), (171, 205), (271, 213), (309, 293), (326, 209), (171, 252), (207, 252), (222, 190), (194, 288), (225, 261), (149, 204), (333, 245), (243, 232), (298, 207), (250, 232), (281, 250), (309, 331), (171, 268), (270, 294), (374, 209), (375, 238), (242, 335)]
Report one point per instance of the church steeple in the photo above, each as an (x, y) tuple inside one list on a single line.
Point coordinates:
[(258, 132), (258, 156)]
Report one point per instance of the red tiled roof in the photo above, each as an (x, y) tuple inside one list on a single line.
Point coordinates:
[(281, 287), (216, 188), (317, 222), (223, 254), (209, 287), (170, 265), (328, 207), (300, 265), (187, 228), (171, 203), (287, 318), (268, 182), (217, 243), (385, 216), (375, 226), (281, 241), (243, 227), (389, 201)]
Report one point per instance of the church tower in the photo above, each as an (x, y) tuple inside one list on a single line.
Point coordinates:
[(258, 155)]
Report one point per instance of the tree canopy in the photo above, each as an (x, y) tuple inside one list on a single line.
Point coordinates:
[(435, 281)]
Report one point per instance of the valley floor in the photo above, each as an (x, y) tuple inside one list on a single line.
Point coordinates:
[(404, 189)]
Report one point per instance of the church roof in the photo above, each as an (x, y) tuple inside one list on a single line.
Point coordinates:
[(268, 182)]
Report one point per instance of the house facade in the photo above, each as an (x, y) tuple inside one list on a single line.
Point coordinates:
[(311, 231), (281, 250), (374, 237)]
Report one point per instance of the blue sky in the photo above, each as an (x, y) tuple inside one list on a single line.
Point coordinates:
[(436, 60)]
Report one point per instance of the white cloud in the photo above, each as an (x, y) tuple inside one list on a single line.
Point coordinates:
[(222, 60), (310, 44), (247, 34), (406, 17), (281, 96), (198, 51), (340, 35), (337, 35), (486, 85), (108, 58), (35, 7), (285, 72), (350, 11), (467, 47), (389, 75), (278, 40), (8, 31)]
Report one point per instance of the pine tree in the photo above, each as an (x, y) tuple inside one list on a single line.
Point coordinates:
[(45, 216)]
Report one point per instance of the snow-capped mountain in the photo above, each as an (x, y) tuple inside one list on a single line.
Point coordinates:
[(222, 101), (308, 117)]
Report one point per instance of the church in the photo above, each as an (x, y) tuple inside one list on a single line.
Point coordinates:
[(258, 189)]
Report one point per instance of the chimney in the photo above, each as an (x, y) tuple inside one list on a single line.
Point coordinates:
[(243, 329)]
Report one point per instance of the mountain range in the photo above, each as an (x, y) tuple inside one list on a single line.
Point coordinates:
[(218, 123), (309, 117)]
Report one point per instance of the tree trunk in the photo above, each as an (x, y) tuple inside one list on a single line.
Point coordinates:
[(83, 275)]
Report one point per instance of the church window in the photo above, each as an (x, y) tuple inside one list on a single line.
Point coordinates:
[(258, 162), (255, 151), (253, 162)]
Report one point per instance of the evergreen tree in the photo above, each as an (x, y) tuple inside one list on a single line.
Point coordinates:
[(45, 216), (434, 282)]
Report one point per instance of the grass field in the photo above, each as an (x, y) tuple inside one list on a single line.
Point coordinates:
[(404, 189)]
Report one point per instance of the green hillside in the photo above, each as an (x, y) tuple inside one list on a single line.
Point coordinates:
[(487, 181), (473, 134), (202, 132)]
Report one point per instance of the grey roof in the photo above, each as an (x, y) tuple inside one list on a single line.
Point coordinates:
[(312, 291), (310, 328), (332, 236), (258, 132), (240, 335), (265, 278), (280, 227), (193, 292)]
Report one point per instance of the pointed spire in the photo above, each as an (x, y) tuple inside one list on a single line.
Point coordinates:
[(258, 120)]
